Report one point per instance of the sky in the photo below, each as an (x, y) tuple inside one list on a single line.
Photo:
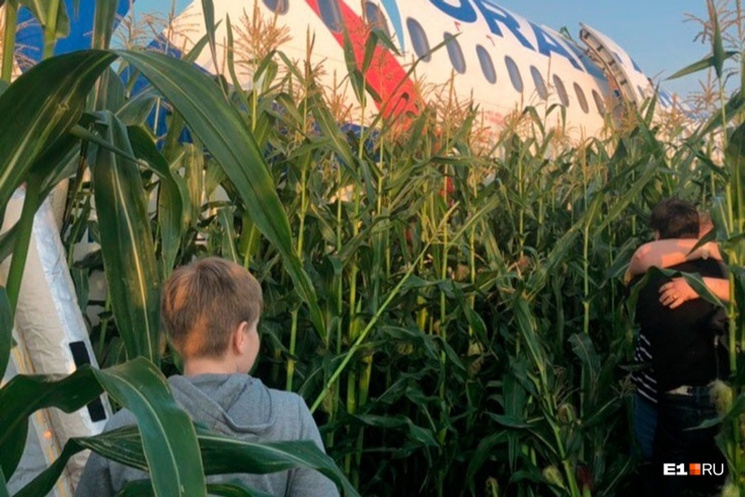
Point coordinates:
[(653, 32)]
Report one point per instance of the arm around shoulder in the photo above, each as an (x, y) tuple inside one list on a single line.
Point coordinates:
[(670, 252)]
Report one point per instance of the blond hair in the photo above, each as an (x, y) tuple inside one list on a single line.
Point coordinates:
[(203, 303)]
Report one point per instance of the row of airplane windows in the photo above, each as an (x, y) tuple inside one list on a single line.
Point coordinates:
[(332, 18), (455, 53)]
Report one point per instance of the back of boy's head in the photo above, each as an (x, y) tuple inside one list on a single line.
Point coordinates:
[(203, 303), (675, 218)]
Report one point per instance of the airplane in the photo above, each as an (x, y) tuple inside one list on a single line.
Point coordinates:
[(495, 58), (499, 60)]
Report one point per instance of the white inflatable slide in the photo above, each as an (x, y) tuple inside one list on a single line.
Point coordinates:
[(51, 338)]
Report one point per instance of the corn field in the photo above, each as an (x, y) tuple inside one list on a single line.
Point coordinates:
[(448, 300)]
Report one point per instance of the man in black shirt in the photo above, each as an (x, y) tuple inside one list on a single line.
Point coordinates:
[(685, 358)]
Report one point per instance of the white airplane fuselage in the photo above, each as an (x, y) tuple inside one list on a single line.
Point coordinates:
[(501, 61)]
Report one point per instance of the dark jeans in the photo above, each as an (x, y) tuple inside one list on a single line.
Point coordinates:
[(677, 441), (644, 421)]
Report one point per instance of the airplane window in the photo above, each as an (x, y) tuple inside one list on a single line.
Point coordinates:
[(376, 18), (582, 99), (540, 84), (641, 92), (514, 72), (598, 102), (277, 6), (331, 14), (487, 66), (455, 53), (419, 39), (561, 90)]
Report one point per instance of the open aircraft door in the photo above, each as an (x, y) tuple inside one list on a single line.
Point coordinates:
[(633, 85)]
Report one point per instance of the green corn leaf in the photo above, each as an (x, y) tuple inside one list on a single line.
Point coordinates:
[(630, 193), (173, 201), (3, 485), (483, 452), (24, 395), (103, 23), (109, 92), (46, 171), (15, 443), (585, 350), (214, 176), (6, 331), (45, 481), (717, 45), (514, 400), (510, 421), (234, 490), (144, 488), (208, 13), (193, 164), (45, 102), (706, 161), (266, 70), (126, 242), (735, 161), (31, 202), (238, 90), (225, 215), (137, 109), (418, 434), (168, 437), (732, 108), (58, 162), (10, 21), (702, 64), (223, 454), (197, 48), (528, 331), (330, 128), (603, 413), (222, 131), (220, 454), (371, 44), (356, 78), (92, 137)]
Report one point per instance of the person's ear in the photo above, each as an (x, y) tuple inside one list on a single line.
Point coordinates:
[(240, 338)]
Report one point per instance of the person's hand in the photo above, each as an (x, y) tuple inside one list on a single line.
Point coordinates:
[(676, 292)]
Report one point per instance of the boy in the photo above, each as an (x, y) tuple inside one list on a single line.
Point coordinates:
[(210, 310)]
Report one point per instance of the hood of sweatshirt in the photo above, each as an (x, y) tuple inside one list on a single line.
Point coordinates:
[(228, 403)]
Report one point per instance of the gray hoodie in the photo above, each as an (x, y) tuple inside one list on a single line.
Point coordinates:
[(236, 405)]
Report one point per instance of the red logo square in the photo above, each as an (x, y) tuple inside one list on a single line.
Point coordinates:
[(694, 469)]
